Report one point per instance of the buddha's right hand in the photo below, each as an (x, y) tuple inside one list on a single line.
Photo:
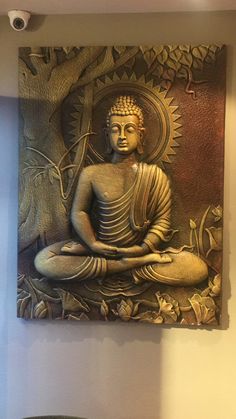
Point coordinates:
[(103, 249)]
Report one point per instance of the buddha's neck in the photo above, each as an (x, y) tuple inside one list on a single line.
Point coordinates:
[(128, 160)]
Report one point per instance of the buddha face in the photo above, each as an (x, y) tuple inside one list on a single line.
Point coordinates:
[(124, 133)]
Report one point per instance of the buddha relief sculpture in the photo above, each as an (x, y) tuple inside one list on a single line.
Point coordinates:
[(121, 183), (132, 205)]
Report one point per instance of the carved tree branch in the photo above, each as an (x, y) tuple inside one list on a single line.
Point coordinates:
[(107, 65)]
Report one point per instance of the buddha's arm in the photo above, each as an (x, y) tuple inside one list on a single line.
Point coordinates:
[(81, 208), (80, 215), (159, 229)]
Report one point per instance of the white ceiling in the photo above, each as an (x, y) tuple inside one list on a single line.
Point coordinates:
[(46, 7)]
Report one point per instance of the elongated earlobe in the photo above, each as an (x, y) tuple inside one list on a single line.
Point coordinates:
[(107, 141), (140, 143), (140, 148), (108, 149)]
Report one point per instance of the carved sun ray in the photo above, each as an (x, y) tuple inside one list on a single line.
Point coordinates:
[(166, 146), (160, 100)]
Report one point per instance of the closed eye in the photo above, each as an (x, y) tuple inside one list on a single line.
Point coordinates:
[(115, 130), (130, 129)]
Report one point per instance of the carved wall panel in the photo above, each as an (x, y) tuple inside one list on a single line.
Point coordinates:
[(121, 183)]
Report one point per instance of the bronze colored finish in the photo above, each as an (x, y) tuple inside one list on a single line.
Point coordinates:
[(102, 208)]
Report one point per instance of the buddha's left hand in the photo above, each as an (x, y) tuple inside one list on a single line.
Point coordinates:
[(132, 251)]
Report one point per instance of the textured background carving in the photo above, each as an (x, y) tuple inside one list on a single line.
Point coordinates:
[(194, 77)]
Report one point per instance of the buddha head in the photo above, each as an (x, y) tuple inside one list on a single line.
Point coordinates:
[(125, 126)]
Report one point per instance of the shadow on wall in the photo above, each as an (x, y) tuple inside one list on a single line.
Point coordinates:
[(8, 222), (53, 417)]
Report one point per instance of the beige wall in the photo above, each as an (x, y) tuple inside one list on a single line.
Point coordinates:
[(123, 371)]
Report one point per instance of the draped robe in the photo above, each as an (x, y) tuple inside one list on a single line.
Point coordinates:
[(145, 208), (139, 215)]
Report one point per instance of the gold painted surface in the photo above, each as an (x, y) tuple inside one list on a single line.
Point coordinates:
[(100, 125)]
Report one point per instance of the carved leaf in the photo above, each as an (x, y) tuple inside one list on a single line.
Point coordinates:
[(20, 279), (213, 48), (164, 306), (22, 302), (168, 307), (162, 57), (38, 180), (51, 175), (130, 63), (135, 309), (149, 57), (149, 317), (204, 309), (185, 48), (200, 52), (197, 64), (215, 238), (175, 55), (171, 300), (67, 50), (215, 286), (72, 303), (158, 71), (55, 175), (144, 48), (120, 49), (172, 47), (205, 292), (169, 75), (210, 58), (104, 309), (186, 60), (196, 308), (40, 310), (158, 49), (173, 64), (182, 73), (217, 212), (43, 292)]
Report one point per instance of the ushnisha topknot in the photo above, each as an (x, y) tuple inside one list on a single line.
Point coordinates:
[(126, 105)]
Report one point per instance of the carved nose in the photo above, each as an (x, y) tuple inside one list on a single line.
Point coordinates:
[(122, 135)]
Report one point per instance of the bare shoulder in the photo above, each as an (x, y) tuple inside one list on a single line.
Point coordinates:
[(89, 172)]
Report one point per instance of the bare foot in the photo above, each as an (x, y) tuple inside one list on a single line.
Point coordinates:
[(74, 248)]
